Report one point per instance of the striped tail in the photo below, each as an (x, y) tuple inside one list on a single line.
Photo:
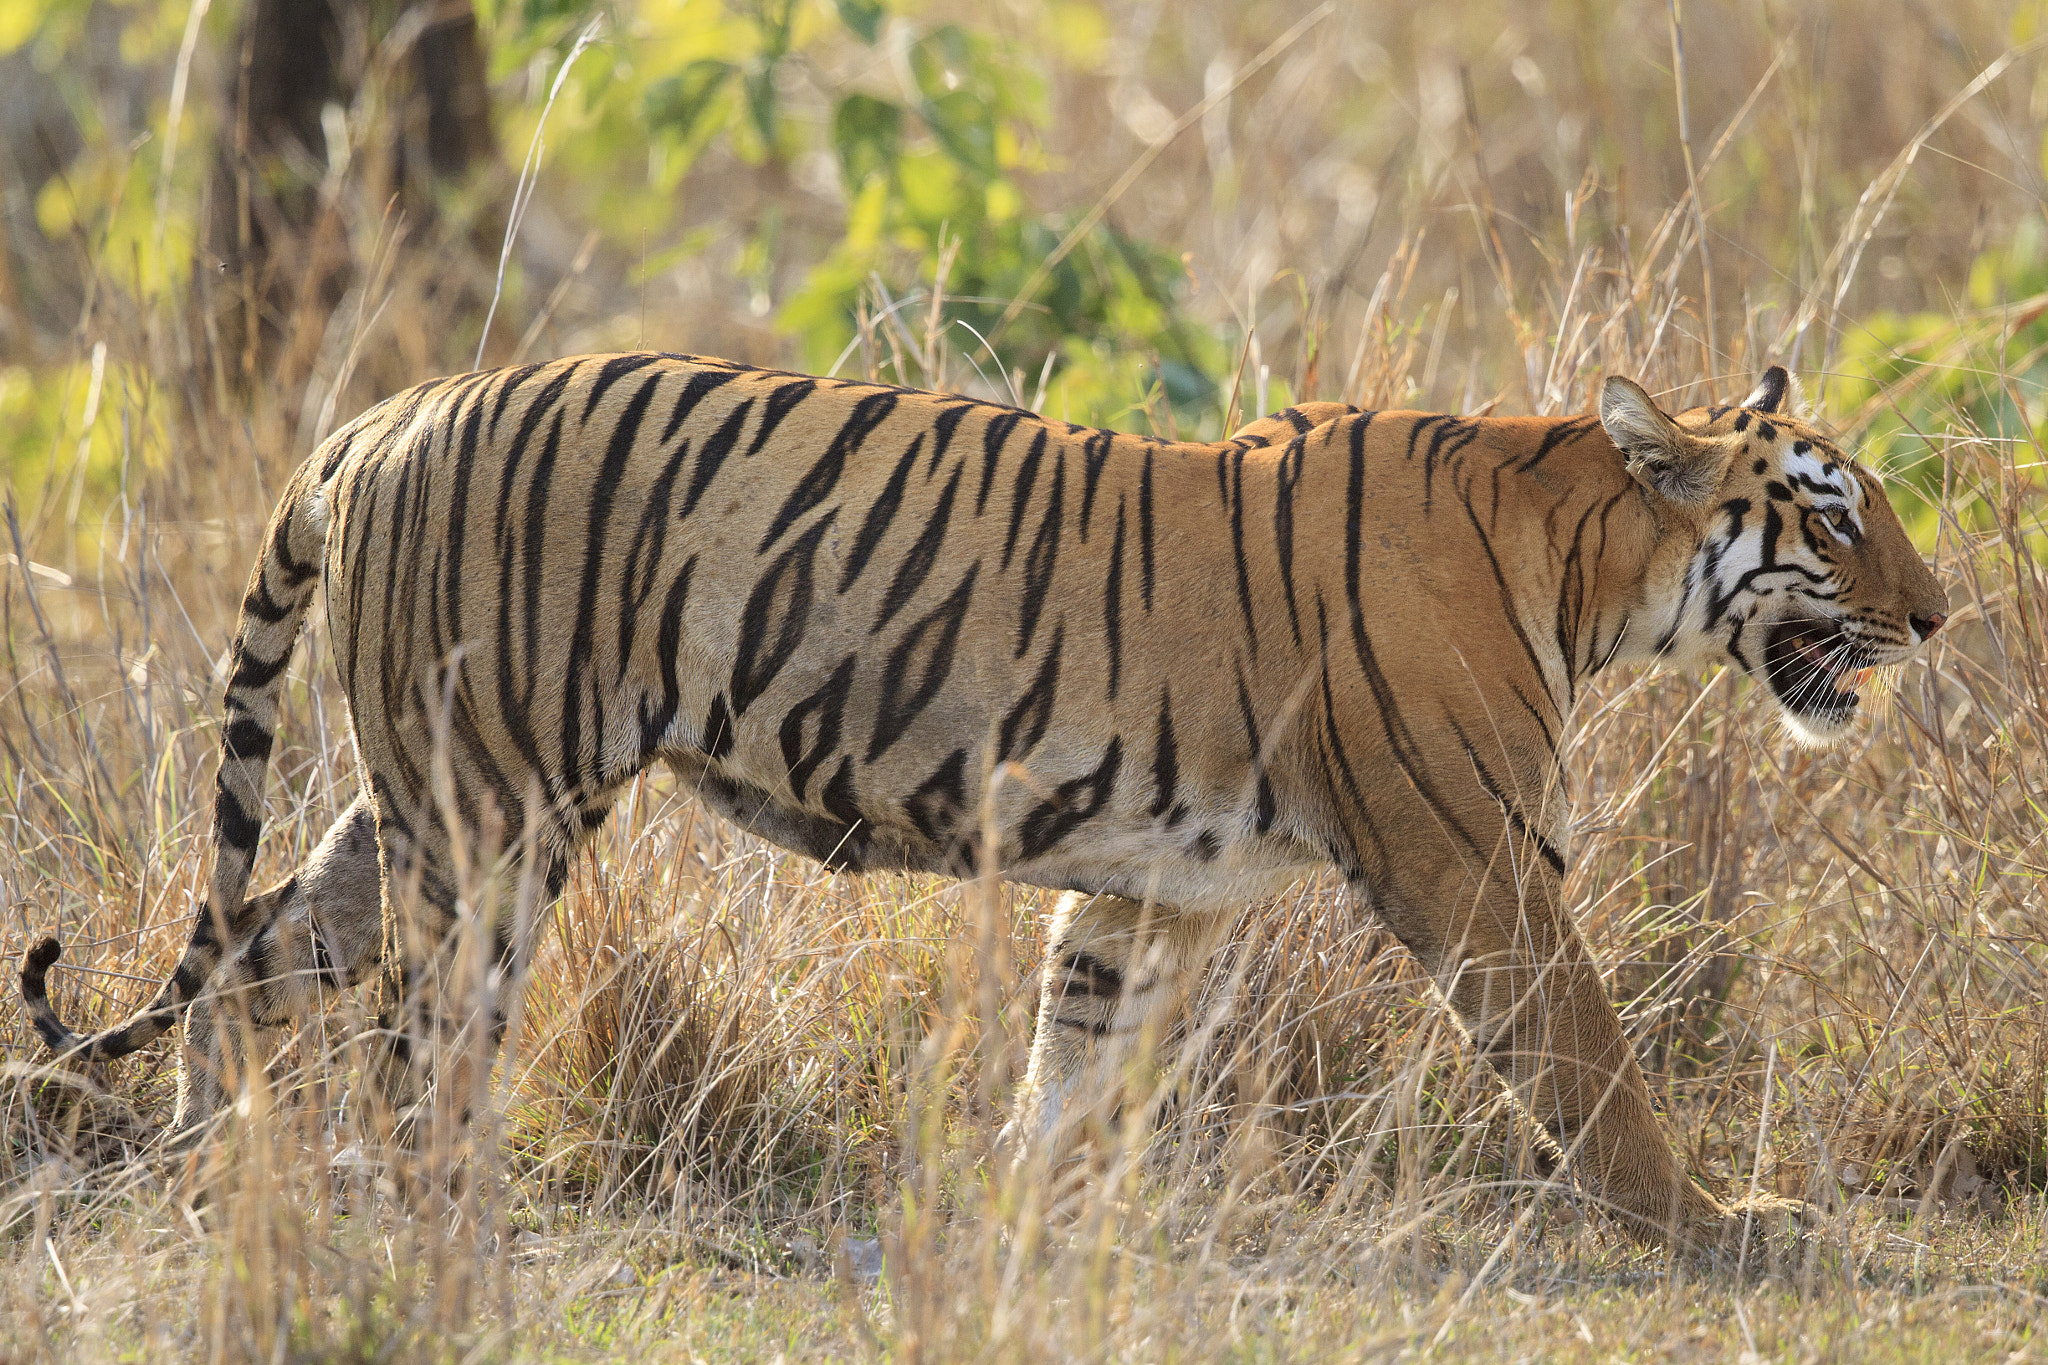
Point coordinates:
[(273, 609)]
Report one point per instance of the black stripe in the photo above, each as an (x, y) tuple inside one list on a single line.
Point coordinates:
[(457, 529), (939, 801), (1407, 755), (588, 767), (1553, 438), (260, 604), (232, 824), (252, 672), (611, 372), (694, 389), (933, 639), (1165, 758), (669, 649), (296, 571), (782, 599), (1354, 514), (712, 452), (841, 801), (992, 437), (1287, 476), (245, 738), (1145, 531), (829, 704), (943, 427), (396, 607), (1074, 802), (512, 701), (1020, 492), (1040, 559), (1094, 976), (1026, 722), (509, 382), (1333, 738), (819, 481), (1094, 455), (1465, 432), (1507, 602), (779, 405), (1113, 601), (718, 736), (1420, 425), (643, 558), (879, 516), (917, 565), (1571, 600), (1234, 497), (1508, 807), (1542, 723), (1263, 818)]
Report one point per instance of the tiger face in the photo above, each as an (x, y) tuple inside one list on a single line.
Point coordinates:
[(1788, 560)]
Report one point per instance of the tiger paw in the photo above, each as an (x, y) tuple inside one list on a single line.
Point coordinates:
[(1775, 1212), (1767, 1223)]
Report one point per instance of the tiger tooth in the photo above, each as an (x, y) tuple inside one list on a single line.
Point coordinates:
[(1846, 683)]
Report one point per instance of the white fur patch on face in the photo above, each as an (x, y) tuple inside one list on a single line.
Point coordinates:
[(1737, 572), (1827, 485)]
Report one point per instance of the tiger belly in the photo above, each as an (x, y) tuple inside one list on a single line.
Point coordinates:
[(1212, 863)]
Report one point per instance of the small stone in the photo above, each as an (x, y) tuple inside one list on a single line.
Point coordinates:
[(864, 1254), (804, 1250)]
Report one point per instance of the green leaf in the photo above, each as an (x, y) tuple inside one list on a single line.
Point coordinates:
[(864, 17), (760, 85), (868, 135), (679, 103), (537, 12), (942, 61), (965, 127)]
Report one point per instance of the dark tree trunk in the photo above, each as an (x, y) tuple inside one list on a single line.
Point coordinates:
[(307, 70)]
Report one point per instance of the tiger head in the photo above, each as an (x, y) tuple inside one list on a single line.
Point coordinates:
[(1784, 556)]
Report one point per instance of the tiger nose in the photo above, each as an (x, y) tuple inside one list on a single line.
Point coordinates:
[(1927, 625)]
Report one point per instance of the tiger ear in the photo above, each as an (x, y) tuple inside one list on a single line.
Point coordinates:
[(1778, 391), (1666, 459)]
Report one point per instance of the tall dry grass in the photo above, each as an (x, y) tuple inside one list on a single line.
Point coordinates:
[(747, 1106)]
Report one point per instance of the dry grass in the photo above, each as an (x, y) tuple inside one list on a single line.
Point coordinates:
[(740, 1087)]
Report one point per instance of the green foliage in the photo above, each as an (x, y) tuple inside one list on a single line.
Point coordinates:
[(928, 154), (1979, 374)]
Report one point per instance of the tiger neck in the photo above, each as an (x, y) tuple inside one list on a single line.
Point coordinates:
[(1614, 574)]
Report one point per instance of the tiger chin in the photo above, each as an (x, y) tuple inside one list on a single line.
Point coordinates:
[(849, 616)]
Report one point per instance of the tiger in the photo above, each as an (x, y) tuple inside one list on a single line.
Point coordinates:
[(893, 629)]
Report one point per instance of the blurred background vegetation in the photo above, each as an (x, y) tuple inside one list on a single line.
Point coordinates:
[(281, 210)]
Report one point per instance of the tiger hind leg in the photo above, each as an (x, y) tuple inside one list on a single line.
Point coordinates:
[(1115, 972), (453, 964), (319, 930)]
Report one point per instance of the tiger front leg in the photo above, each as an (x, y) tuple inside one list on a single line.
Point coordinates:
[(317, 931), (1513, 965), (1115, 972)]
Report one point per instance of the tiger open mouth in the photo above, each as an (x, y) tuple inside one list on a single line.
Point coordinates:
[(1814, 668)]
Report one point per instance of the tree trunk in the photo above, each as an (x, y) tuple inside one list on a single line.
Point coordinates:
[(293, 157)]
